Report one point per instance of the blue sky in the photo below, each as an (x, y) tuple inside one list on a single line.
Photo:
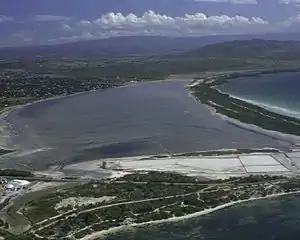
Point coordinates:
[(54, 21)]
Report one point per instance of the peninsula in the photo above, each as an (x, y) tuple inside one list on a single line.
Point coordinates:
[(148, 189), (205, 90), (91, 209)]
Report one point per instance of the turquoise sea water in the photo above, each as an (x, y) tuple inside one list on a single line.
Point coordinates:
[(273, 219), (276, 92)]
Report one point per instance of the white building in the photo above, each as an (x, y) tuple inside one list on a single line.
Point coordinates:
[(16, 185)]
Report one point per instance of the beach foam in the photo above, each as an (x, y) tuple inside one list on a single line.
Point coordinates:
[(96, 235), (32, 151), (270, 107)]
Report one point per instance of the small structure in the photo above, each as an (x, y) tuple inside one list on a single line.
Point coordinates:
[(3, 180), (16, 185), (9, 187), (104, 165), (109, 164)]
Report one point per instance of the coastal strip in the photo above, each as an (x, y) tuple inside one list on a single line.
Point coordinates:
[(96, 235), (242, 113), (4, 113), (5, 127)]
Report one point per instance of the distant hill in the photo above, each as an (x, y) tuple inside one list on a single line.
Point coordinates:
[(133, 45), (118, 46), (255, 48)]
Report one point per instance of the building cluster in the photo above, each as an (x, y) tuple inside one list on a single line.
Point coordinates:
[(109, 164), (14, 185)]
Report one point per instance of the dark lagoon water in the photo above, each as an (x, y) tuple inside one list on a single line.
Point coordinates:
[(272, 219), (148, 118), (156, 118), (276, 92)]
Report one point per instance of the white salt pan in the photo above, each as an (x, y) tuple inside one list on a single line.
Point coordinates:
[(264, 169), (258, 160)]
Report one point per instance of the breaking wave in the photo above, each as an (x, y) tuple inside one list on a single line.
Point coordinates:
[(30, 152), (270, 107)]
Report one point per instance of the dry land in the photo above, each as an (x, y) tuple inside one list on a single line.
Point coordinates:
[(219, 164), (88, 210), (204, 89)]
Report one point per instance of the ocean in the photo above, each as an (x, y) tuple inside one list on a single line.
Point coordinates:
[(275, 92), (143, 119), (272, 219), (154, 118)]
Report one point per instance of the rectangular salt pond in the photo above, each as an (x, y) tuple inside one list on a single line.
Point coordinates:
[(258, 160), (201, 165), (264, 169), (293, 155), (213, 164)]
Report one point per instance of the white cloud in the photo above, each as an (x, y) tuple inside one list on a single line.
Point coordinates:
[(148, 23), (292, 21), (289, 1), (151, 23), (85, 22), (4, 18), (50, 18), (27, 39), (66, 27), (196, 22), (230, 1)]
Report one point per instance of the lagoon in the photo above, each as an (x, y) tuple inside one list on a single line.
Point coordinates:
[(143, 119)]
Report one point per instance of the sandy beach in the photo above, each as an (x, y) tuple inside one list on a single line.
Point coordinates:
[(4, 113), (176, 219), (293, 139)]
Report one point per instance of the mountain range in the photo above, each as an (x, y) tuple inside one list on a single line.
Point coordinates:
[(147, 45)]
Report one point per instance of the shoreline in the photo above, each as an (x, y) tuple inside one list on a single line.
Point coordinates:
[(216, 79), (102, 233), (281, 136), (208, 79), (5, 112), (280, 110)]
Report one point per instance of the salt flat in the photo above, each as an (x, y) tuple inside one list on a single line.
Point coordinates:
[(284, 160), (259, 159), (212, 164), (295, 162), (195, 164), (293, 154), (266, 169), (214, 167)]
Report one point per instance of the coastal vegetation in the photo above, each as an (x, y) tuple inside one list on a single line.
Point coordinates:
[(207, 93), (15, 173), (144, 197), (25, 80), (5, 151), (29, 80), (224, 152), (152, 176), (137, 199)]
